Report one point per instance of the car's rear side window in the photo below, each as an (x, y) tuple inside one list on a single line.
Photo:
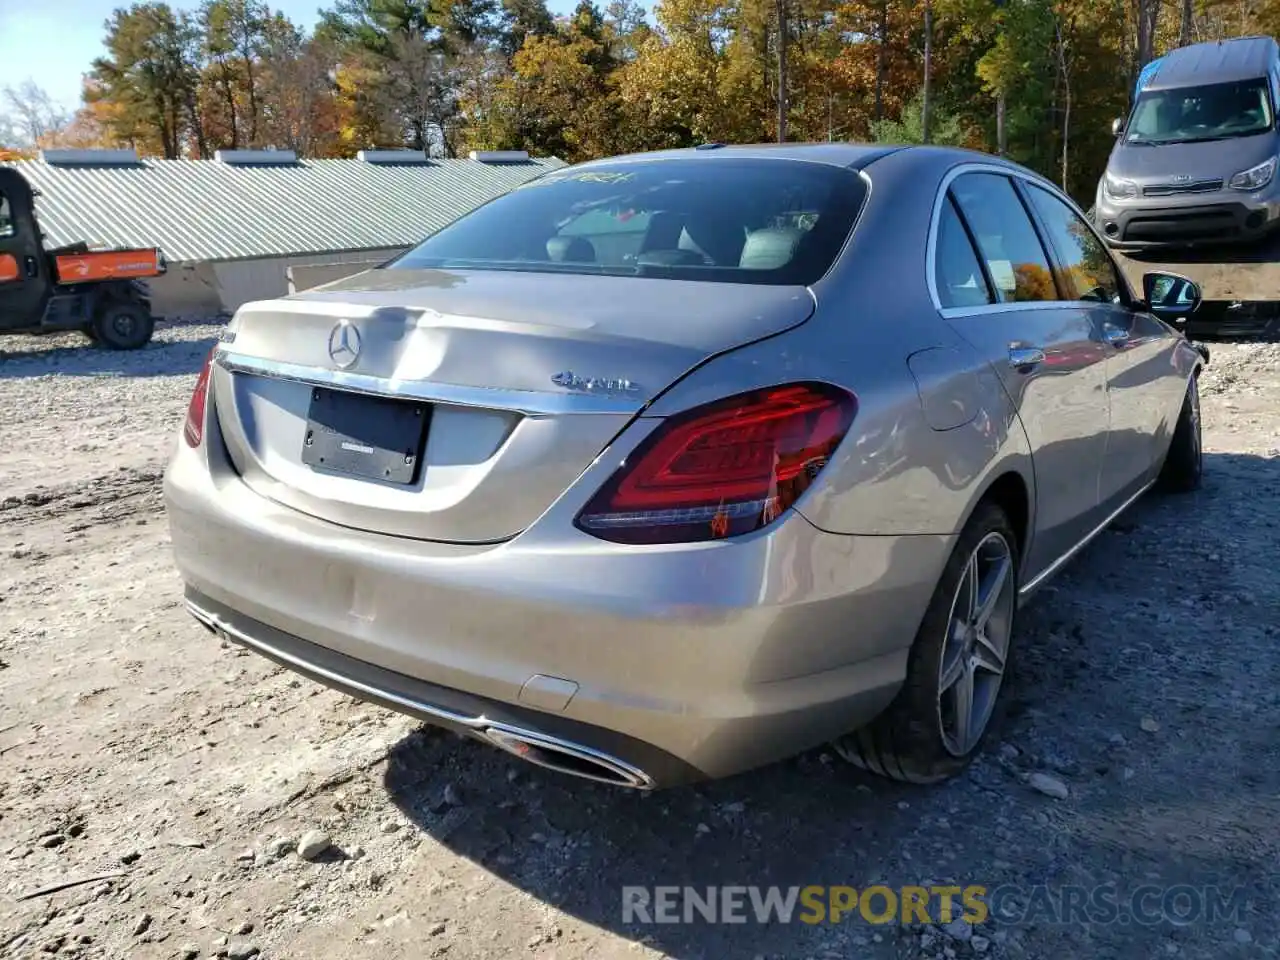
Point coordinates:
[(1016, 260), (723, 219), (1087, 271), (957, 272)]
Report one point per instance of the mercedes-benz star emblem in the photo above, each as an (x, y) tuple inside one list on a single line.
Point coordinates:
[(344, 344)]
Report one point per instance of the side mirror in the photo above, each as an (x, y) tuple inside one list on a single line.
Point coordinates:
[(1117, 126), (1170, 296)]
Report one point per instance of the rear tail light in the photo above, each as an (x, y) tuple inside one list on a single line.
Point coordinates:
[(193, 430), (723, 469)]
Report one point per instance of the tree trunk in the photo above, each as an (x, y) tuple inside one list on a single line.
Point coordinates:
[(197, 123), (1148, 20), (1055, 99), (926, 99), (248, 27), (782, 71), (1188, 20), (1066, 108), (168, 136), (229, 95), (1002, 138), (882, 40), (253, 103)]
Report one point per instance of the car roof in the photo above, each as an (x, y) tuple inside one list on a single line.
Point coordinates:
[(1241, 58), (856, 156)]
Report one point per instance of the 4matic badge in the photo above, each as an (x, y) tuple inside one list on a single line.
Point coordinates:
[(571, 381)]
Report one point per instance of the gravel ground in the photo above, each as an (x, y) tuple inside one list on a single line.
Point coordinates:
[(228, 807)]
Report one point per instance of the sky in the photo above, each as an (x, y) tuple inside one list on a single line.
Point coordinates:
[(54, 41)]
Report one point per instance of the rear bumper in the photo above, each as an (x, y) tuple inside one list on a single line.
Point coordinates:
[(1154, 227), (486, 720), (685, 663)]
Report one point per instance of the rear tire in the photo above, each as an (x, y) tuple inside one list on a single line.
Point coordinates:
[(1183, 469), (955, 671), (123, 326)]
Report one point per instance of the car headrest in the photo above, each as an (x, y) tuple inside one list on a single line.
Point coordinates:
[(770, 248), (571, 250)]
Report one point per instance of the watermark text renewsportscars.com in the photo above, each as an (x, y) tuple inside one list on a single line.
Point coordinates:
[(1145, 905)]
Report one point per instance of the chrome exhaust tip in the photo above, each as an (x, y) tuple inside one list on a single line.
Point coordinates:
[(553, 753), (569, 758)]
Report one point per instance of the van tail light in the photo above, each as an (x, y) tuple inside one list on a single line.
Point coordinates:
[(722, 469), (193, 429)]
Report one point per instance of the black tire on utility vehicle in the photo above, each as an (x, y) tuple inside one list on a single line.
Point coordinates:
[(122, 326), (1183, 467), (937, 722)]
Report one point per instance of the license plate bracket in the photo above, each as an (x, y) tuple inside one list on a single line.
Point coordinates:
[(373, 438)]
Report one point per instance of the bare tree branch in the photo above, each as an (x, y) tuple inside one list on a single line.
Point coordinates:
[(32, 113)]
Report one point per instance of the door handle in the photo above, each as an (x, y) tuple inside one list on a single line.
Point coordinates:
[(1115, 336), (1022, 357)]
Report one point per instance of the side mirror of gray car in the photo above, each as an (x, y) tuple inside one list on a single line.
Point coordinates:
[(1170, 296), (1117, 126)]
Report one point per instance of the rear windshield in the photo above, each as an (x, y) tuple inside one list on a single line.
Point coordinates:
[(1217, 111), (705, 218)]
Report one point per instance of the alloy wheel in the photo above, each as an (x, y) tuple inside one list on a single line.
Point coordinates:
[(976, 650)]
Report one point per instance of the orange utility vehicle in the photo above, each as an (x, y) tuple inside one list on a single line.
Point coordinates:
[(100, 292)]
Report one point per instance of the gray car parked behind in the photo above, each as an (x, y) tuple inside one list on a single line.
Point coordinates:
[(1196, 160)]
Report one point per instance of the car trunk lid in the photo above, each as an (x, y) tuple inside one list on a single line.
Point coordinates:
[(522, 379)]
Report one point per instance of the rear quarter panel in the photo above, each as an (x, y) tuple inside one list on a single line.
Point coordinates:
[(894, 474)]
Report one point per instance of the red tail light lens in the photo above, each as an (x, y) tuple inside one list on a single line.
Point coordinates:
[(723, 469), (193, 430)]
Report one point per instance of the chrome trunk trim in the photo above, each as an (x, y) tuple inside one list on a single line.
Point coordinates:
[(531, 403)]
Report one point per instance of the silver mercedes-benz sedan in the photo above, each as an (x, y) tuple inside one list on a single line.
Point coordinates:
[(667, 466)]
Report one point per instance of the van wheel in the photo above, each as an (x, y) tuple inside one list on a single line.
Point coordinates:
[(1183, 468), (957, 665), (123, 326)]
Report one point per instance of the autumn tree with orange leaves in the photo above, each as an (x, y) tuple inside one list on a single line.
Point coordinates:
[(1036, 80)]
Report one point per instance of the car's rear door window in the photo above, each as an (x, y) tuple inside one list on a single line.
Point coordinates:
[(1086, 270), (958, 274), (1015, 259), (724, 219)]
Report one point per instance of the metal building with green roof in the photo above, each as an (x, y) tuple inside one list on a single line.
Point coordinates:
[(233, 227)]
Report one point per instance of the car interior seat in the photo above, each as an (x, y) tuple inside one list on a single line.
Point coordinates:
[(770, 248), (665, 228), (571, 250), (661, 246), (718, 238)]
